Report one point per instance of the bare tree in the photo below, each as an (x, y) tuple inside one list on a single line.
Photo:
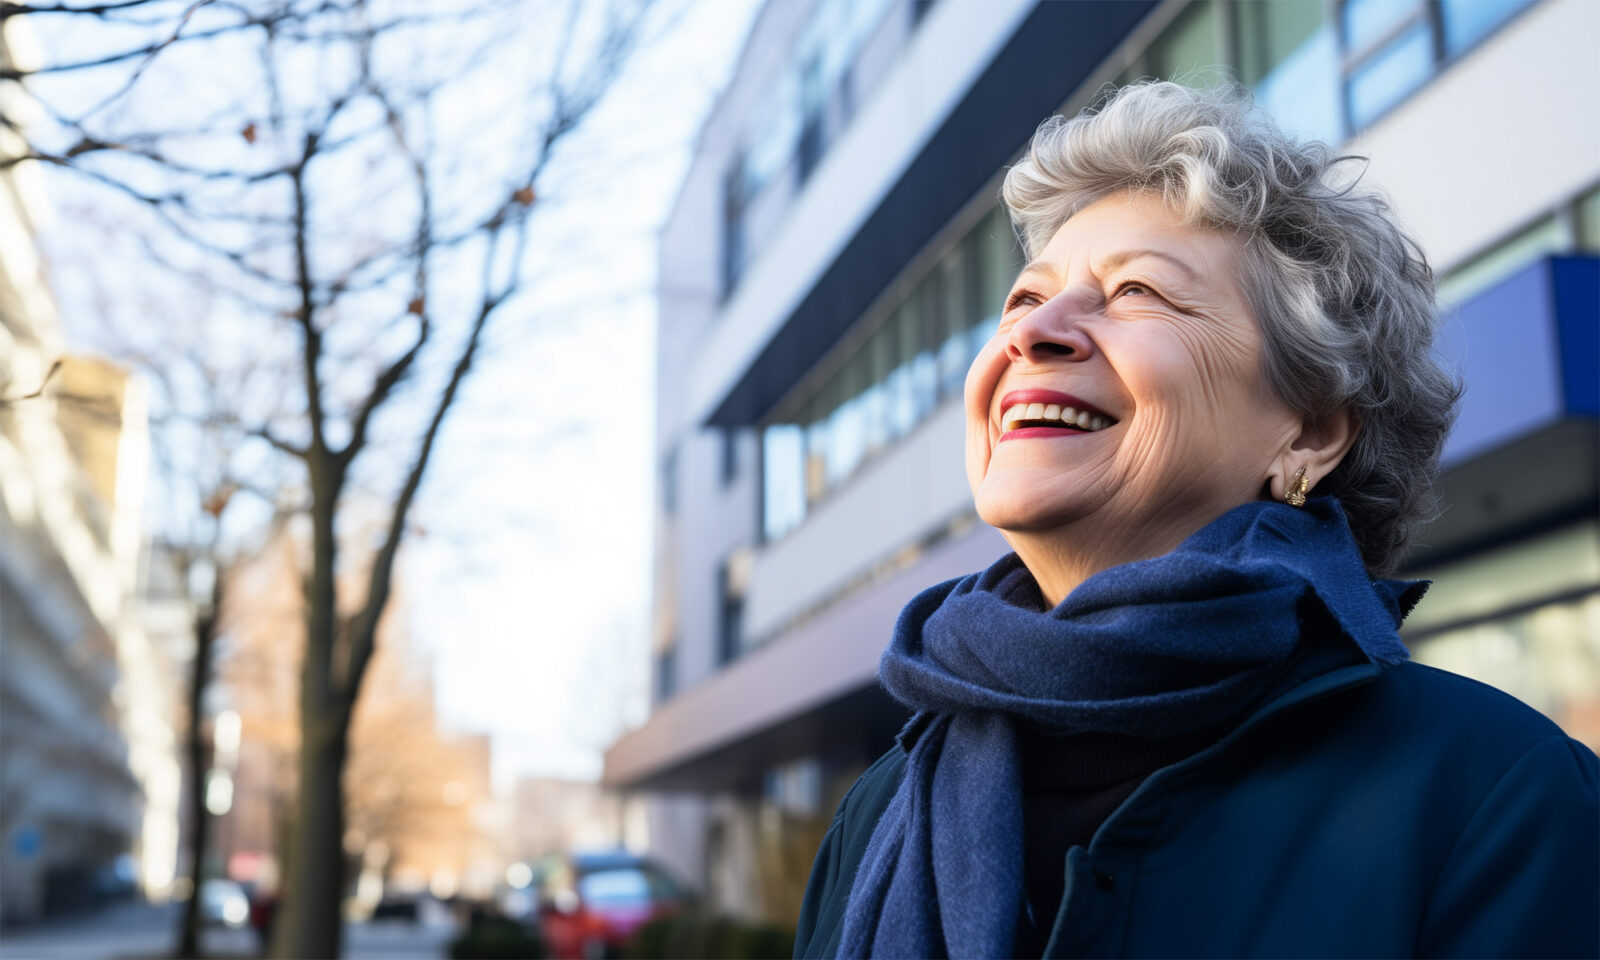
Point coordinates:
[(357, 179)]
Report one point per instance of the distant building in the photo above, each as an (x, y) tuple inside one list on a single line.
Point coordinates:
[(88, 775), (550, 816), (837, 255), (419, 810)]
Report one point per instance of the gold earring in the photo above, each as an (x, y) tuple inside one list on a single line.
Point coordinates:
[(1298, 487)]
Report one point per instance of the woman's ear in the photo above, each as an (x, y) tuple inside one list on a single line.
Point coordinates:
[(1319, 447)]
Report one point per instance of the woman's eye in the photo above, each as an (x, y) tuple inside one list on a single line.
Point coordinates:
[(1019, 298), (1133, 287)]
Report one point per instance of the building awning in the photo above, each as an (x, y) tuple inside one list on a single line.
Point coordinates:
[(1523, 454), (788, 697)]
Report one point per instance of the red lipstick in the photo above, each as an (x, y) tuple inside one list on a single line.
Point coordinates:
[(1047, 398)]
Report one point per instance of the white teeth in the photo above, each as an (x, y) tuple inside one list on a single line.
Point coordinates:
[(1069, 416)]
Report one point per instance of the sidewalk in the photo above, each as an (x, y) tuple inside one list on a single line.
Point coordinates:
[(141, 931)]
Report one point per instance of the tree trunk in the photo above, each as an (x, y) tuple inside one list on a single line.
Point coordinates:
[(309, 921), (199, 820)]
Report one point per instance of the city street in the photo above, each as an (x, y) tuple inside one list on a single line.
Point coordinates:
[(138, 930)]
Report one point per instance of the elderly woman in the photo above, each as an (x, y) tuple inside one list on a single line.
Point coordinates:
[(1179, 720)]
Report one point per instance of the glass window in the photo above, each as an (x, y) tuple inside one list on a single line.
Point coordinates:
[(1502, 260), (954, 321), (666, 673), (1468, 21), (1525, 618), (920, 351), (730, 456), (811, 101), (783, 471), (733, 226), (1367, 22), (1186, 50), (1000, 257), (1589, 222), (731, 583), (1272, 32), (669, 482), (1289, 56), (1385, 78), (1547, 657), (1302, 91), (614, 887)]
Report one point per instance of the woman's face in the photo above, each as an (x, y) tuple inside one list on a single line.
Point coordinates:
[(1138, 324)]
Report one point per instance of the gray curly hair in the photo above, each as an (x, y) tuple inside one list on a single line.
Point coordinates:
[(1343, 297)]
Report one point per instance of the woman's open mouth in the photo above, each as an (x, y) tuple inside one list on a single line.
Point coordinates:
[(1040, 413)]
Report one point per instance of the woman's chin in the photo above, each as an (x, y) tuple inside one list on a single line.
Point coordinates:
[(1028, 517)]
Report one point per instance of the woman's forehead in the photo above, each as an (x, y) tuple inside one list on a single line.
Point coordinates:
[(1122, 228)]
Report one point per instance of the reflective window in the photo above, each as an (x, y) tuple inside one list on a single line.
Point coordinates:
[(784, 467), (1468, 21), (1267, 34), (1190, 46), (1386, 77), (1187, 51), (1369, 22), (917, 355), (1289, 56), (614, 887), (1524, 618), (1544, 237), (1589, 221)]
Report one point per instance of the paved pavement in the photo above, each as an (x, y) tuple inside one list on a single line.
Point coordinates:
[(140, 931)]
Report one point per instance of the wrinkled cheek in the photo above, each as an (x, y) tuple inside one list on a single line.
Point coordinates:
[(977, 395)]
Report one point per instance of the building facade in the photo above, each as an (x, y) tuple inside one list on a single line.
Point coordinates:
[(837, 256), (89, 776)]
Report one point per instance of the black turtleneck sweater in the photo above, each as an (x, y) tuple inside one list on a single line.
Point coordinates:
[(1070, 785)]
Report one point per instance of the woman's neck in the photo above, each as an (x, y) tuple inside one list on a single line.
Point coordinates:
[(1063, 557)]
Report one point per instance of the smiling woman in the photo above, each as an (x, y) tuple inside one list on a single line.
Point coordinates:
[(1178, 719)]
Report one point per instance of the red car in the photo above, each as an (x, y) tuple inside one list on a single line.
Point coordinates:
[(590, 905)]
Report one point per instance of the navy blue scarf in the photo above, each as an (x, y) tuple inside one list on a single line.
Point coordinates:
[(1155, 648)]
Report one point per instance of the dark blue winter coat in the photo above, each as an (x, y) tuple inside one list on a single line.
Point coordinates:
[(1361, 812)]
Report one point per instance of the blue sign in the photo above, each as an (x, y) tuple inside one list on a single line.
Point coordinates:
[(27, 842)]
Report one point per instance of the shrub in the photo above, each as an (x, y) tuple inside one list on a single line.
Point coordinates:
[(689, 936), (496, 938)]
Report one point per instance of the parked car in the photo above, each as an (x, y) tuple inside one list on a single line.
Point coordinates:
[(590, 905), (223, 904), (401, 908)]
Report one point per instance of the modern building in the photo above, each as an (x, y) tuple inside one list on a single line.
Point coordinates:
[(89, 778), (837, 255)]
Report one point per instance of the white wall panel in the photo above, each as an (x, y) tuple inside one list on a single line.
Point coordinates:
[(895, 501), (1503, 135)]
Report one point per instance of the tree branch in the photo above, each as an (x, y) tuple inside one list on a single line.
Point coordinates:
[(278, 443)]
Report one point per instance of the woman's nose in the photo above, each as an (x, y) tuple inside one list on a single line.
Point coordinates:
[(1054, 329)]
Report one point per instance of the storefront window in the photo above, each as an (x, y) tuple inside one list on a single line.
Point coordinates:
[(1524, 618), (1547, 657)]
